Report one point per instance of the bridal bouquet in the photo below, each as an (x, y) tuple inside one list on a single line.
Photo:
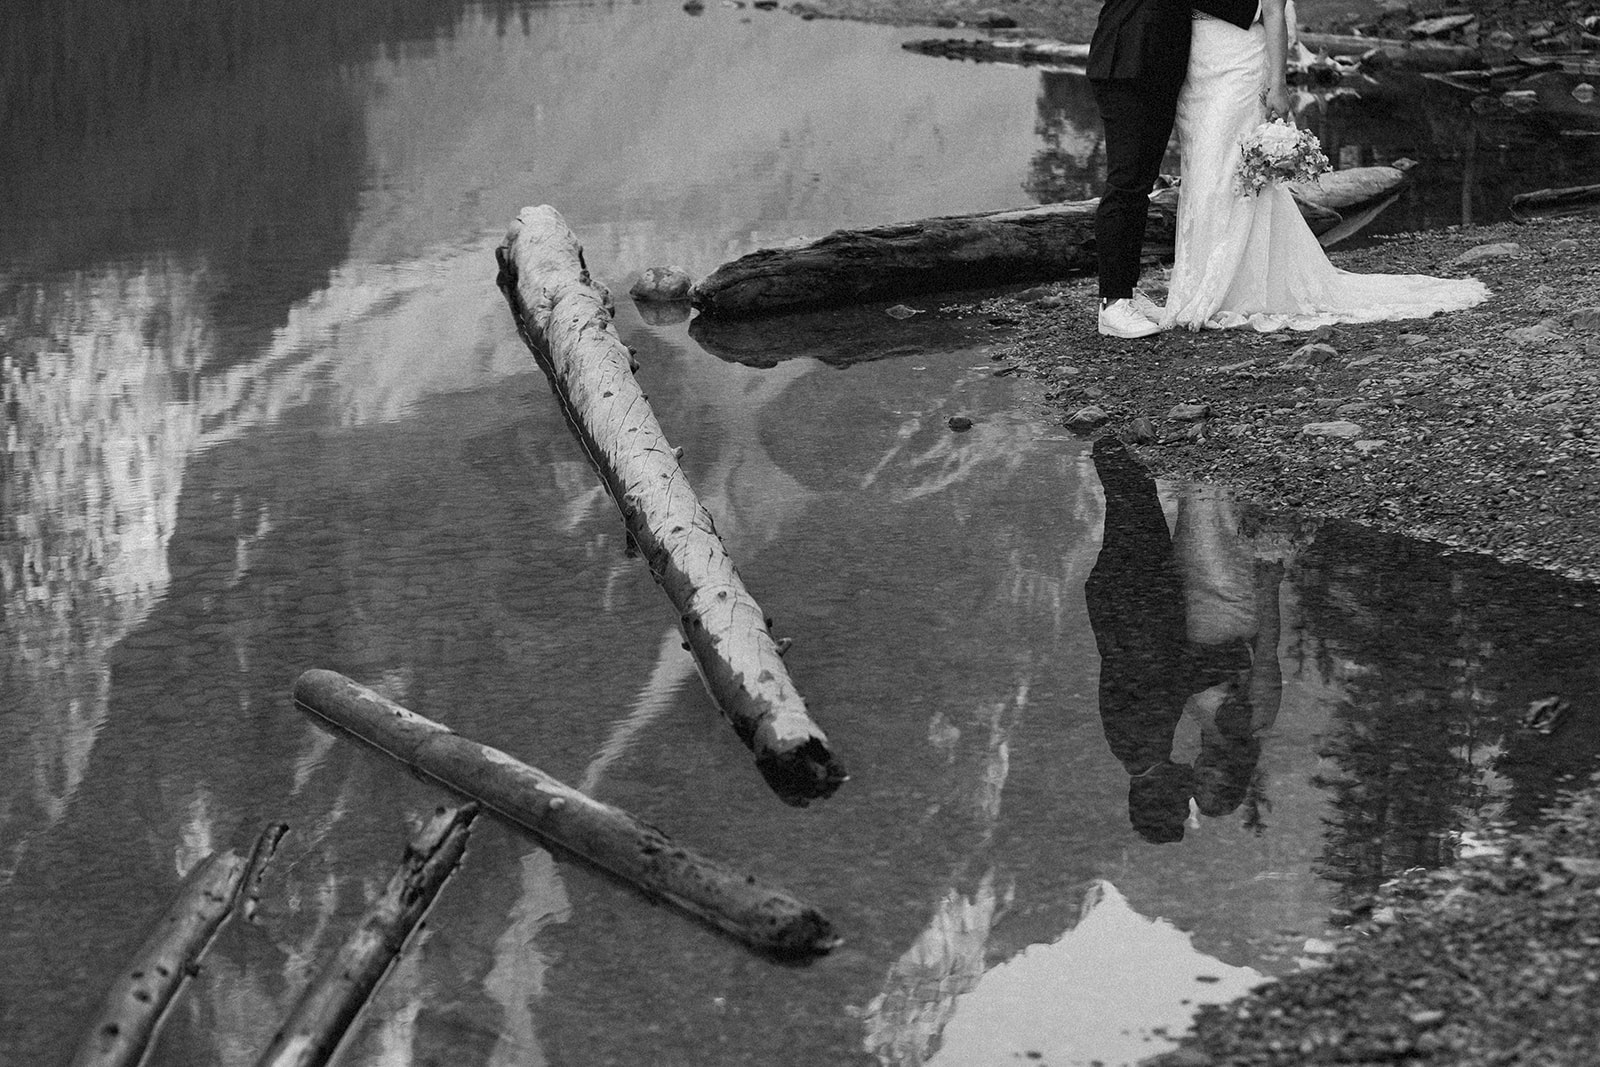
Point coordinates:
[(1276, 151)]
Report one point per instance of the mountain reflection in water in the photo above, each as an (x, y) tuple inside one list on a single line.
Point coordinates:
[(264, 410)]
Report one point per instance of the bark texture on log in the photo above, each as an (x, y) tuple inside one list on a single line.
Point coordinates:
[(133, 1007), (566, 320), (1573, 200), (940, 254), (633, 850), (929, 255), (324, 1013)]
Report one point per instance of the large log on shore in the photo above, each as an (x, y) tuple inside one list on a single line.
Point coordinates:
[(322, 1016), (928, 255), (566, 320), (939, 254), (128, 1018), (557, 814)]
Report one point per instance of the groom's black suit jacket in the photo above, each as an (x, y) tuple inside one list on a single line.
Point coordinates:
[(1142, 39)]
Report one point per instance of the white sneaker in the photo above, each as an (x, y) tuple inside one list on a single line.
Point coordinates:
[(1145, 306), (1119, 319)]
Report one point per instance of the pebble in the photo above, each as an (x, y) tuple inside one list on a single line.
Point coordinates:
[(1498, 250), (1189, 412), (662, 283), (900, 311), (1313, 354), (1337, 428), (960, 423), (1086, 420)]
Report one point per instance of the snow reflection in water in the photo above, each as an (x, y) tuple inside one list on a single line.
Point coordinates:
[(324, 446)]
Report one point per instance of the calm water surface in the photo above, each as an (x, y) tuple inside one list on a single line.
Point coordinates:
[(265, 410)]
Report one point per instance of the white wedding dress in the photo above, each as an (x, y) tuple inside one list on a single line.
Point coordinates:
[(1252, 260)]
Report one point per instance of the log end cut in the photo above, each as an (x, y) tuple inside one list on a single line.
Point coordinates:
[(802, 774)]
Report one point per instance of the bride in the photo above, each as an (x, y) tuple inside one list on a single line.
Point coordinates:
[(1252, 260)]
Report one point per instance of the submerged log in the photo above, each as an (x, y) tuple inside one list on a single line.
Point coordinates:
[(566, 321), (557, 814), (1018, 51), (324, 1013), (1573, 200), (134, 1006)]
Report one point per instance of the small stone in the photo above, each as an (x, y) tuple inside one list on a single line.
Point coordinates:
[(662, 284), (960, 423), (1368, 446), (1566, 244), (1093, 392), (1314, 354), (1355, 407), (1086, 420), (1583, 93), (1498, 250), (1141, 431), (901, 311), (1189, 412), (1366, 361), (1426, 1018), (1412, 338), (1337, 428), (1528, 335), (1587, 319)]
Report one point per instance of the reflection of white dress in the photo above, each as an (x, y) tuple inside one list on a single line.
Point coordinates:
[(1253, 260)]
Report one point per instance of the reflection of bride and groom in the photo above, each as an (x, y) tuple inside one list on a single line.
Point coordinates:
[(1187, 627)]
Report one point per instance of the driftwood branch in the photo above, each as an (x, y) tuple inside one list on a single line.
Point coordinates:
[(566, 320), (132, 1011), (324, 1013), (1573, 200), (628, 847)]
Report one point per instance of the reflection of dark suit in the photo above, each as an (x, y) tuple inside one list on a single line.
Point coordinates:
[(1148, 666), (1137, 61)]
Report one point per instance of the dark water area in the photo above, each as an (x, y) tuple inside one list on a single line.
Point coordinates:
[(265, 410), (1471, 160)]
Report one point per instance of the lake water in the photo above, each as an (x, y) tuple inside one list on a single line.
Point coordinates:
[(265, 410)]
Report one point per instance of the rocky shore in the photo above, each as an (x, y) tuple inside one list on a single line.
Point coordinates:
[(1477, 429)]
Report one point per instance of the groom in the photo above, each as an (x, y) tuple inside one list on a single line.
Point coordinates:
[(1137, 60)]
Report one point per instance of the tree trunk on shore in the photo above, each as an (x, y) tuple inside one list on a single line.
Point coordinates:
[(566, 321), (1573, 200), (133, 1008), (325, 1011), (940, 254), (626, 846)]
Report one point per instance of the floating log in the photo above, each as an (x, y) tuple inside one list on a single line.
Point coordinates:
[(1346, 190), (1018, 51), (324, 1013), (1573, 200), (133, 1008), (566, 321), (557, 814)]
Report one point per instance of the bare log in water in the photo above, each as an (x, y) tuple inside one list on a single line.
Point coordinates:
[(1355, 187), (566, 320), (1573, 200), (324, 1013), (758, 914), (133, 1008)]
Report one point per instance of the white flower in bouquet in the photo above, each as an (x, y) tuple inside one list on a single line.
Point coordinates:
[(1276, 151)]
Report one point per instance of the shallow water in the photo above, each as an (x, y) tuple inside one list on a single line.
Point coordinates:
[(265, 411)]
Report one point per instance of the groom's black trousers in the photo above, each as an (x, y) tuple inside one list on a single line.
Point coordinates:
[(1138, 115)]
